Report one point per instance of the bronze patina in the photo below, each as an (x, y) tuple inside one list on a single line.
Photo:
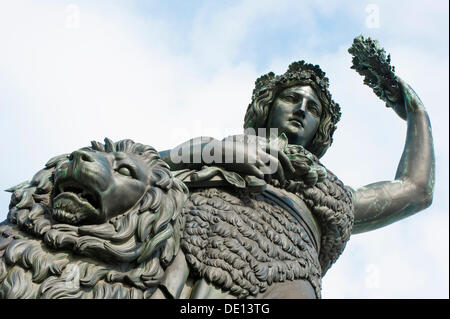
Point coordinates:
[(121, 220)]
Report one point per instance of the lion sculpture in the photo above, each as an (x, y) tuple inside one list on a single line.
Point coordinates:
[(112, 221), (100, 223)]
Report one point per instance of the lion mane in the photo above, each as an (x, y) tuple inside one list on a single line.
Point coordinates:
[(241, 242), (124, 257)]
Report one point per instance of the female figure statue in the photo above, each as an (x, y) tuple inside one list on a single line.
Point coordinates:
[(299, 106), (268, 223), (302, 108)]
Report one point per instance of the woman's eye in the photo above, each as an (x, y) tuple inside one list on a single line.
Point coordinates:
[(314, 109), (124, 171)]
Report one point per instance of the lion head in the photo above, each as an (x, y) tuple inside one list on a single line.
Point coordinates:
[(110, 211)]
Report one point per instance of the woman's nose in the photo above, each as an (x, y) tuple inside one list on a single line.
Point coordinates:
[(301, 106)]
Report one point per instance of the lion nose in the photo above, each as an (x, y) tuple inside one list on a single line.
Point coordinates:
[(81, 156)]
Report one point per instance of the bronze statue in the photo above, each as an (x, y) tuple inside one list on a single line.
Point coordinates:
[(119, 220), (88, 226)]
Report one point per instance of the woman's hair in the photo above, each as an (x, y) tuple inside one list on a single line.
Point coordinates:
[(267, 88)]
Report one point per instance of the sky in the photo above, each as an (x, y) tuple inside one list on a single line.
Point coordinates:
[(163, 72)]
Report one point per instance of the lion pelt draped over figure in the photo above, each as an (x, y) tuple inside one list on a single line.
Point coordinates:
[(112, 221)]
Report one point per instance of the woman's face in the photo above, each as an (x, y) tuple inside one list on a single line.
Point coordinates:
[(296, 112)]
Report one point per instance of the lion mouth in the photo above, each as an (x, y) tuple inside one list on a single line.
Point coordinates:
[(75, 204), (83, 194)]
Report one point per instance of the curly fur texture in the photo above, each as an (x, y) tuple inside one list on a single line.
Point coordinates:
[(243, 243), (332, 206), (328, 199), (122, 258)]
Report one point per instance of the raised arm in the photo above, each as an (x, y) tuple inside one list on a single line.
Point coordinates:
[(380, 204)]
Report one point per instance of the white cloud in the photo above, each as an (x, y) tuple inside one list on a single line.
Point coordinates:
[(402, 255)]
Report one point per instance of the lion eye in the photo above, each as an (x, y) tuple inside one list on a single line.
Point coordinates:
[(124, 171)]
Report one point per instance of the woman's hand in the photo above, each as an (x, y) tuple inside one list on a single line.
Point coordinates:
[(240, 153), (409, 103), (265, 162)]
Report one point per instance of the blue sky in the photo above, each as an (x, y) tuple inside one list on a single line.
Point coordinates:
[(74, 71)]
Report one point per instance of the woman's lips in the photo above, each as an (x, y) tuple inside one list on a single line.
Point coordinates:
[(296, 121)]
